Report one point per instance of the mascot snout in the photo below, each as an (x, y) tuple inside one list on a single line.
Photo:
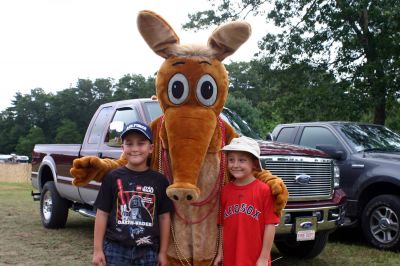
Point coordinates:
[(190, 131)]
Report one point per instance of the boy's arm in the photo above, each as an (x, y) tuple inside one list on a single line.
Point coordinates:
[(165, 224), (269, 234), (100, 225)]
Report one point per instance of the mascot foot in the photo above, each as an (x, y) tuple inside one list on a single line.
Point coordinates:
[(183, 192)]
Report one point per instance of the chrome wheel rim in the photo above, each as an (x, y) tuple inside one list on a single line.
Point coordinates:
[(47, 205), (384, 224)]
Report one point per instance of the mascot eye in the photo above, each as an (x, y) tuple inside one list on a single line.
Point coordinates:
[(206, 90), (178, 89)]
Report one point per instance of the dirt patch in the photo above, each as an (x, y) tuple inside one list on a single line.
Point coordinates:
[(15, 172)]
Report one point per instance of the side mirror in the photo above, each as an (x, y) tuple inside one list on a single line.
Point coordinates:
[(113, 135), (270, 137), (118, 126), (333, 151)]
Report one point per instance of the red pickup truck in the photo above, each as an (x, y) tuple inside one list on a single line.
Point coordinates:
[(315, 207)]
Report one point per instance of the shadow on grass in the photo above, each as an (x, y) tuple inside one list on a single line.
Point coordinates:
[(351, 236)]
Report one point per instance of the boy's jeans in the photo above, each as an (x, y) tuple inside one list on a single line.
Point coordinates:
[(117, 255)]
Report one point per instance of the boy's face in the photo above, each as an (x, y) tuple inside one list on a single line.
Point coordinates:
[(137, 148), (241, 164)]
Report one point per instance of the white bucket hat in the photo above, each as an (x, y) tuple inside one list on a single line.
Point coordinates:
[(244, 144)]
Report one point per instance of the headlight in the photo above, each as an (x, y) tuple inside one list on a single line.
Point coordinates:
[(336, 175)]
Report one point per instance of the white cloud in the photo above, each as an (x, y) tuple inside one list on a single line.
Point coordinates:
[(49, 44)]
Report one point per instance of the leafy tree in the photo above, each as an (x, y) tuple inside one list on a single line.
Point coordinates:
[(30, 110), (26, 143), (68, 132), (357, 40), (133, 87), (244, 108), (244, 81)]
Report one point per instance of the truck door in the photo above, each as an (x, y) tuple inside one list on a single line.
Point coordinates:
[(312, 136), (90, 147), (108, 145)]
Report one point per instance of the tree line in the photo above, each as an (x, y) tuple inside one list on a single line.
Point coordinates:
[(330, 60), (261, 95)]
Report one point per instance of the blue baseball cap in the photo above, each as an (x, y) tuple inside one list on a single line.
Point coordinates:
[(138, 127)]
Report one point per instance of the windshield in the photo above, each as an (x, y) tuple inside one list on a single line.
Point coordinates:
[(371, 138), (240, 126)]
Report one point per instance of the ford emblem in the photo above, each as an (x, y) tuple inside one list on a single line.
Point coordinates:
[(306, 225), (303, 179)]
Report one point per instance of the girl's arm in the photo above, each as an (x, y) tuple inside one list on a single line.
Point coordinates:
[(219, 258), (100, 225), (269, 234), (165, 224)]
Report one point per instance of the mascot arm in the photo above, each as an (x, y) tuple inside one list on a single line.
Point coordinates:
[(278, 189), (90, 168)]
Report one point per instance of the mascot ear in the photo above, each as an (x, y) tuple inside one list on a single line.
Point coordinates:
[(227, 38), (158, 34)]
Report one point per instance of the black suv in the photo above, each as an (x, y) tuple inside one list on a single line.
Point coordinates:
[(368, 156)]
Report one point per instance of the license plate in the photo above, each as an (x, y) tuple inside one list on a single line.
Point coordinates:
[(305, 228)]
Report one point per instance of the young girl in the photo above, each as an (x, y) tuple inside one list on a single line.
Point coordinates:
[(247, 219)]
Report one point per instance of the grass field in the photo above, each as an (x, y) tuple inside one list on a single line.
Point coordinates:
[(24, 241)]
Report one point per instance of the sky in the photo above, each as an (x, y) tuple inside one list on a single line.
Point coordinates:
[(50, 44)]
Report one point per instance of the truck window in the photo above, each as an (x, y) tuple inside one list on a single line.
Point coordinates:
[(126, 115), (98, 126), (153, 109), (285, 135), (313, 136)]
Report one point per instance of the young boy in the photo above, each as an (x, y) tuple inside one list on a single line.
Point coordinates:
[(133, 211), (247, 209)]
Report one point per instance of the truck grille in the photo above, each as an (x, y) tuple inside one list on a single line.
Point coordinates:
[(320, 171)]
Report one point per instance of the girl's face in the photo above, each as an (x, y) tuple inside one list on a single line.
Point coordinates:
[(137, 148), (241, 165)]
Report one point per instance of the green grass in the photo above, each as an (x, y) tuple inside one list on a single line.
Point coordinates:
[(24, 241)]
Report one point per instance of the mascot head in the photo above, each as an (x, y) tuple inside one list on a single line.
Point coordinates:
[(192, 87)]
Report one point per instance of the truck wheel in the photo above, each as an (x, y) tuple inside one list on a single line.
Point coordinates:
[(303, 249), (381, 222), (53, 208)]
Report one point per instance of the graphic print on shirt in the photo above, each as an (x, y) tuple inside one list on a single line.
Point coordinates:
[(244, 208), (135, 208)]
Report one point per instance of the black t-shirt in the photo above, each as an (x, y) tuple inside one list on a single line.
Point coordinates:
[(133, 200)]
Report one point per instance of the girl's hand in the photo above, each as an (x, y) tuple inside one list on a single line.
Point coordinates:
[(218, 260), (262, 261)]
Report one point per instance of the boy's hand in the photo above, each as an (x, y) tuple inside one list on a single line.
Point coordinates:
[(99, 259), (162, 259)]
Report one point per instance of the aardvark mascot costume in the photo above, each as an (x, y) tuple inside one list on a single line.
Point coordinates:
[(192, 87)]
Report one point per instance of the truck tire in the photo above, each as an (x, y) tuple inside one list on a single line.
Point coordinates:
[(380, 222), (53, 208), (303, 249)]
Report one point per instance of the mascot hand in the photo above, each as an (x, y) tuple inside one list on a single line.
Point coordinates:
[(278, 189), (88, 168)]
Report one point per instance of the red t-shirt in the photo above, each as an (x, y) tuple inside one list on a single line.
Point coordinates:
[(245, 212)]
